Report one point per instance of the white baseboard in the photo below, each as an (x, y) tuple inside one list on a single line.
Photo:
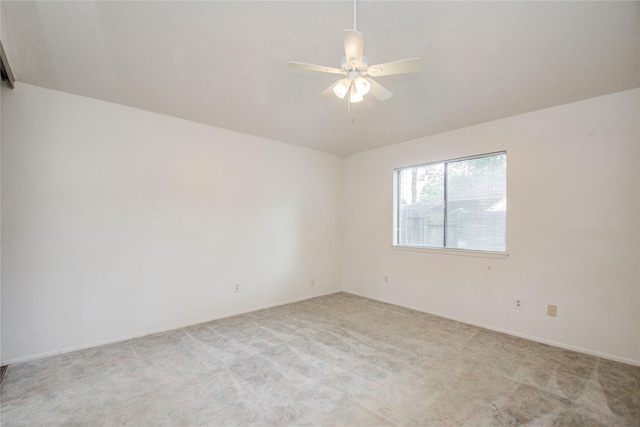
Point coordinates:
[(508, 332), (262, 307), (157, 331)]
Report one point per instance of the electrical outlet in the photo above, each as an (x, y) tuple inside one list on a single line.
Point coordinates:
[(552, 310), (236, 287), (386, 280), (312, 282), (518, 304)]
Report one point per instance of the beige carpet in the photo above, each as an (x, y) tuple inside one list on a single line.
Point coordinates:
[(334, 360)]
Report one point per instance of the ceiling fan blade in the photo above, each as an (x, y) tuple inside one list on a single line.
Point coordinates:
[(378, 91), (404, 66), (340, 92), (329, 90), (313, 67), (353, 47)]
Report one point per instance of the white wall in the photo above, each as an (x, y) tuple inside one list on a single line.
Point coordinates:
[(573, 229), (118, 222)]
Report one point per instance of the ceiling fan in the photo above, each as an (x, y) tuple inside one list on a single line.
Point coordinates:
[(357, 72)]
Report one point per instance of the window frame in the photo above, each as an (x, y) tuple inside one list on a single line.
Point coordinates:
[(442, 249)]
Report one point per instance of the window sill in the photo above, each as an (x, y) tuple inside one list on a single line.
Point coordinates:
[(457, 252)]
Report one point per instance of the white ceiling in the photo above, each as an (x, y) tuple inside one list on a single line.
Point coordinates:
[(224, 63)]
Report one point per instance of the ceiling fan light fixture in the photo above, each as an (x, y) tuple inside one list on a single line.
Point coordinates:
[(362, 86), (340, 89), (354, 96)]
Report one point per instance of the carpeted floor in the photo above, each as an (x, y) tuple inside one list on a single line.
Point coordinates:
[(334, 360)]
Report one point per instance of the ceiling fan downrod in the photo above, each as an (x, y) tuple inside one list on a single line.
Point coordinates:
[(354, 16)]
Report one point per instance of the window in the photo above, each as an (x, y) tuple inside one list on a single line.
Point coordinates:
[(455, 204)]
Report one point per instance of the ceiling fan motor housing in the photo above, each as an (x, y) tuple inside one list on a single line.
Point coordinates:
[(352, 64)]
